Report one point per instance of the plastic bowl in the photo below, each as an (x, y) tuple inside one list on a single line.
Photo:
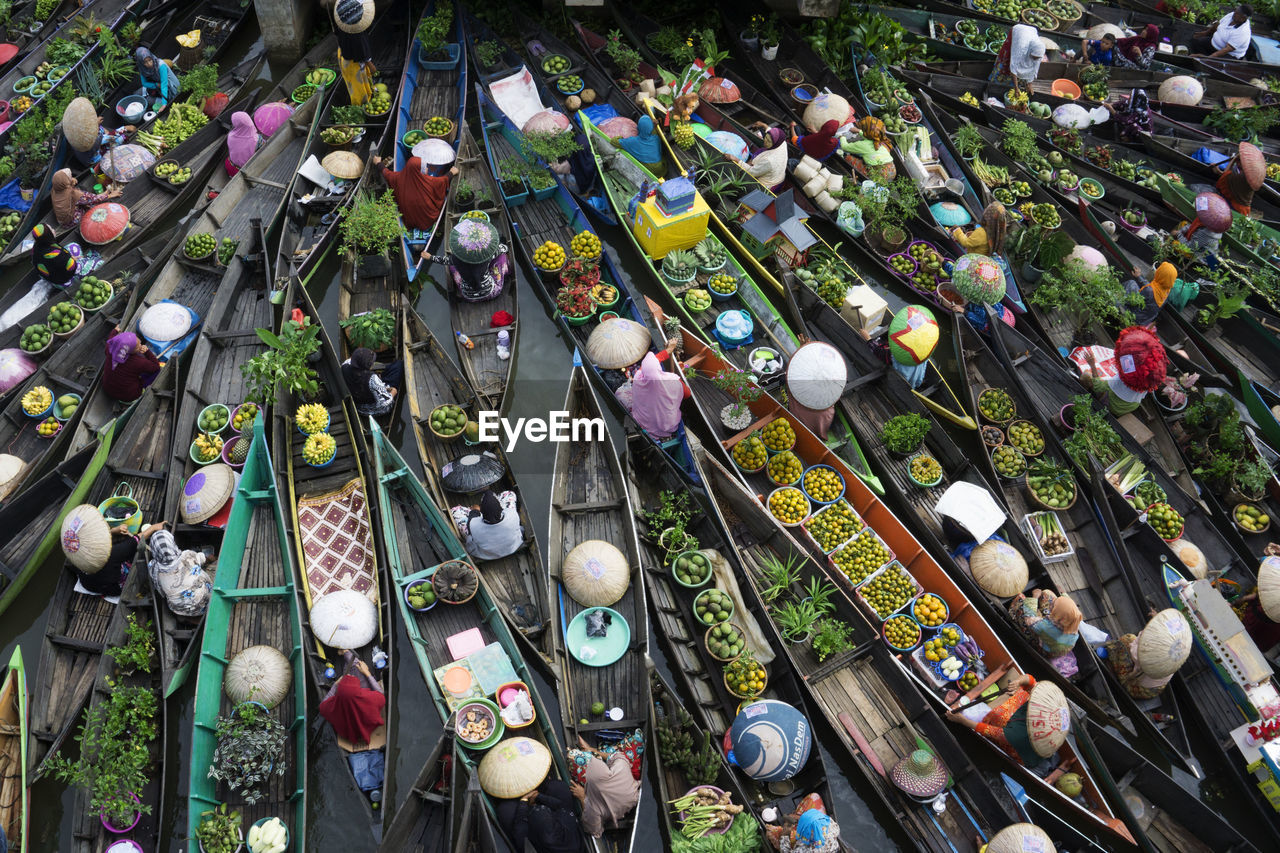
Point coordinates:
[(946, 610), (814, 500), (676, 577), (424, 582), (479, 705), (198, 460), (884, 631), (1092, 189), (1064, 88), (79, 400), (260, 822), (212, 408), (704, 594)]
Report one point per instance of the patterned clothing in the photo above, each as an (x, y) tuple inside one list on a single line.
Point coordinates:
[(1140, 64), (631, 746), (1006, 727), (784, 840), (1125, 665), (1031, 617)]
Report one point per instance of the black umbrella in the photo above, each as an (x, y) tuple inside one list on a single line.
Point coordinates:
[(474, 472)]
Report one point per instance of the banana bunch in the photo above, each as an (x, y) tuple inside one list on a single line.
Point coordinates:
[(992, 176)]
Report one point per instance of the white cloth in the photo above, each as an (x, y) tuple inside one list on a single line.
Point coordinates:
[(1026, 52), (493, 541), (1237, 38), (769, 167), (726, 582), (179, 575)]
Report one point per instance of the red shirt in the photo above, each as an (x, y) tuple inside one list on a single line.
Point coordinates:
[(125, 382), (419, 196)]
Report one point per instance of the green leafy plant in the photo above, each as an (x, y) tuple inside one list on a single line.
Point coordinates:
[(795, 619), (44, 8), (219, 830), (969, 140), (463, 191), (250, 751), (770, 31), (1086, 295), (349, 114), (488, 52), (741, 386), (200, 82), (114, 64), (551, 147), (6, 10), (672, 507), (541, 181), (1241, 124), (777, 577), (511, 170), (131, 34), (285, 364), (139, 647), (832, 637), (889, 206), (374, 329), (371, 224), (1092, 436), (626, 59), (672, 43), (1018, 140), (819, 592), (433, 32), (63, 52), (1252, 477), (904, 433)]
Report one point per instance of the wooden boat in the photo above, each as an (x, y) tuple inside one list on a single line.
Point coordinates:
[(359, 294), (1183, 199), (133, 452), (313, 213), (14, 794), (344, 485), (253, 603), (425, 821), (870, 704), (36, 32), (424, 94), (907, 551), (1163, 816), (590, 502), (1032, 810), (419, 538), (709, 703), (516, 581), (1181, 150), (228, 339)]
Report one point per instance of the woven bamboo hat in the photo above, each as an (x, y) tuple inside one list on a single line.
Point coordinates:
[(165, 321), (259, 674), (978, 279), (1048, 718), (824, 108), (920, 774), (595, 573), (207, 491), (1193, 558), (618, 343), (1214, 212), (816, 376), (1253, 165), (1182, 90), (80, 124), (998, 568), (11, 469), (346, 165), (353, 16), (1021, 838), (1164, 644), (1269, 587), (86, 539), (344, 619), (514, 767)]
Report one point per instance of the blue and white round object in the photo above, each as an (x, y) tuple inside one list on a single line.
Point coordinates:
[(771, 740)]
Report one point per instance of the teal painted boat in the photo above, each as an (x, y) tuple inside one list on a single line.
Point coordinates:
[(13, 747), (253, 603)]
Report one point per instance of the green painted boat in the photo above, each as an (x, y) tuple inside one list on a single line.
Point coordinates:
[(419, 538), (1183, 200), (13, 747), (253, 603), (1264, 405)]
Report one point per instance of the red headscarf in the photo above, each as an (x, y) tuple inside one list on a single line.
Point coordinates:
[(1141, 359), (354, 711), (822, 142)]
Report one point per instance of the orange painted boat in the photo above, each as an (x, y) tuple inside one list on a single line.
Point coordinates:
[(907, 551)]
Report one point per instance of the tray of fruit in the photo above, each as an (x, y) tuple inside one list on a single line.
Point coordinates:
[(1091, 189), (833, 526), (206, 449), (556, 64), (585, 244), (887, 591), (745, 677), (214, 418), (340, 135), (1066, 180), (691, 569), (1250, 518), (925, 471), (750, 454), (49, 427), (319, 449), (549, 257), (1046, 215), (64, 318), (380, 102), (713, 606), (311, 418), (785, 468), (941, 644), (910, 113), (37, 402), (697, 300), (992, 436), (995, 405), (303, 93), (823, 485), (1026, 437), (438, 126), (901, 633), (903, 264), (1039, 19), (92, 293), (321, 76), (36, 338), (725, 641), (861, 557), (1004, 196), (448, 421), (569, 84), (1021, 189), (1009, 462), (788, 505), (1064, 10), (420, 596), (199, 247), (1046, 530), (778, 435), (930, 610), (1132, 219), (1051, 485), (9, 219)]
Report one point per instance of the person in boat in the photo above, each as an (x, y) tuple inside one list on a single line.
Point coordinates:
[(178, 574), (606, 782), (645, 146), (1153, 293), (242, 142), (988, 238), (160, 83), (1051, 622), (1098, 51), (109, 580), (1137, 51), (820, 144), (490, 529), (1005, 725), (374, 395), (352, 19), (544, 818), (53, 262), (1132, 114), (1019, 57), (1122, 655), (477, 261), (873, 149), (808, 829), (1261, 628), (104, 142), (70, 202), (656, 396), (354, 704), (1230, 39), (420, 190), (1138, 368), (130, 367), (1243, 175), (768, 161)]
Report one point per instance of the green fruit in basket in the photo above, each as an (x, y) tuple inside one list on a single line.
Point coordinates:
[(214, 419), (448, 419), (901, 632), (778, 435), (437, 126), (1026, 437), (888, 591), (789, 505), (859, 558), (1008, 461), (1165, 520), (996, 405), (692, 569), (833, 525), (925, 469), (200, 245), (823, 484), (750, 453), (35, 337), (569, 83), (713, 606), (785, 468)]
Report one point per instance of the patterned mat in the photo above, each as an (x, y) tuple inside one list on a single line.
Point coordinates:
[(337, 542)]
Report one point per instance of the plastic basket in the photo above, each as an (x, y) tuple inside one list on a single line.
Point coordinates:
[(812, 499), (866, 605)]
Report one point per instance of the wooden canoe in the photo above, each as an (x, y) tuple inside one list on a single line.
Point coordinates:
[(228, 339), (425, 822), (253, 603), (359, 294), (345, 482), (590, 502), (419, 537), (14, 793), (134, 453), (516, 581)]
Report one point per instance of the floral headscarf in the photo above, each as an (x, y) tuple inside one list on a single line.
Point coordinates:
[(120, 347)]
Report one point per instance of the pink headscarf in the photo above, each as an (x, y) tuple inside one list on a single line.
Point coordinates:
[(655, 398), (242, 141), (120, 347)]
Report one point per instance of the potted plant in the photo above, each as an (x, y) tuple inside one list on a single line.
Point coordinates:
[(777, 577), (511, 172), (769, 38), (433, 49), (1250, 480), (464, 194), (550, 147), (676, 540), (542, 185), (969, 141), (368, 227), (672, 507), (1092, 435), (488, 52), (1035, 248), (625, 59), (374, 329), (250, 750), (138, 650), (832, 637), (1172, 394), (887, 208), (219, 830), (741, 386), (795, 620), (904, 434), (1086, 295), (751, 35), (286, 363)]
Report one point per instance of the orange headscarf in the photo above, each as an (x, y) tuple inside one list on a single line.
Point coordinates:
[(1166, 276), (1066, 615)]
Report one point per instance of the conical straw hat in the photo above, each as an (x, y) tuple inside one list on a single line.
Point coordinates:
[(1192, 557), (595, 573), (207, 491), (80, 124), (259, 674), (1269, 587), (11, 470), (1021, 838), (344, 619), (514, 767), (86, 539), (618, 343), (1048, 718), (343, 164), (1164, 644), (816, 376), (998, 568), (353, 16), (920, 774), (1253, 165)]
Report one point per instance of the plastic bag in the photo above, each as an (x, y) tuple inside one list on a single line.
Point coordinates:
[(849, 219), (598, 623)]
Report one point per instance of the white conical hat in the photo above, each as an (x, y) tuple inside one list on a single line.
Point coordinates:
[(344, 619), (1269, 587), (11, 470), (1164, 644), (595, 573), (618, 343), (816, 376), (1192, 557), (1021, 838), (86, 538), (258, 674), (514, 767)]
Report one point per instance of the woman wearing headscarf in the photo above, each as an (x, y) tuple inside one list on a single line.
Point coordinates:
[(178, 574), (808, 829), (70, 202), (645, 146), (373, 394), (355, 52), (160, 83), (1137, 51), (242, 142), (1137, 368), (656, 396), (477, 261), (1050, 621), (490, 529), (768, 161), (873, 149), (1005, 725), (1132, 115), (1153, 293), (1019, 57), (821, 143), (544, 817), (130, 367), (354, 705), (421, 191), (606, 781), (51, 261), (1243, 175), (988, 238)]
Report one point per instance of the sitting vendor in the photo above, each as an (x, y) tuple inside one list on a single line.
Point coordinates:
[(420, 191), (873, 149), (820, 144), (490, 529), (160, 83), (645, 146), (1138, 368), (355, 702), (1243, 175), (988, 238), (1146, 662), (477, 260), (1052, 623)]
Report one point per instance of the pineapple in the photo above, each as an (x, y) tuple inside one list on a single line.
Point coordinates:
[(682, 133), (240, 450)]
